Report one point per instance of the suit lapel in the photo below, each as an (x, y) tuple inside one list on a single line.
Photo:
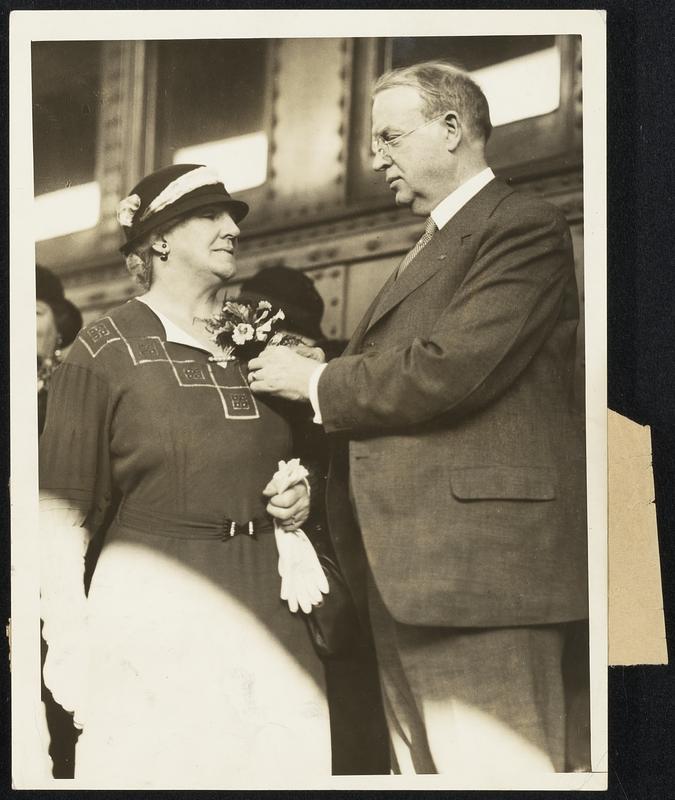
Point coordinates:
[(442, 251), (362, 327), (435, 256)]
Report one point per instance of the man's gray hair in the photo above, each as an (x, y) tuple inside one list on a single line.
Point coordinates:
[(443, 87)]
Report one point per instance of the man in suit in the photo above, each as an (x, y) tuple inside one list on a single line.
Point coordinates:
[(459, 459)]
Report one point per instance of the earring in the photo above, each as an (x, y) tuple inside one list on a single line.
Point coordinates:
[(58, 355), (164, 256)]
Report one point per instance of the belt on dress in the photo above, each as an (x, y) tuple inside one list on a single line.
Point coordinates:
[(189, 526)]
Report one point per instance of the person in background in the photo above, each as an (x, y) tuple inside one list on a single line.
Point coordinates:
[(462, 465), (57, 324), (358, 729)]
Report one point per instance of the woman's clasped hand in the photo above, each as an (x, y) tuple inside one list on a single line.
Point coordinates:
[(303, 582)]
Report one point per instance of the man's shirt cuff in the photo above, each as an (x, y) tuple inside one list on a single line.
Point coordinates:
[(314, 392)]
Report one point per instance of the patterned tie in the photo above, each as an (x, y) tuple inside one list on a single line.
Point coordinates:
[(429, 230)]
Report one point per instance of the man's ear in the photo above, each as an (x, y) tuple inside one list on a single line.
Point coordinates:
[(453, 129)]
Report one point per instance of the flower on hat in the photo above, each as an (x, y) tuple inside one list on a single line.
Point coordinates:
[(126, 210)]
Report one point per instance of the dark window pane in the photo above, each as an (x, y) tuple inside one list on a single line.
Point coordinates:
[(468, 52), (211, 93), (66, 78), (520, 75)]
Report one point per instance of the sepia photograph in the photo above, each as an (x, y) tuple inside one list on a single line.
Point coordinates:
[(310, 488)]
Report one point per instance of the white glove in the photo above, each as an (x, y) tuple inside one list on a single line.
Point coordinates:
[(302, 578)]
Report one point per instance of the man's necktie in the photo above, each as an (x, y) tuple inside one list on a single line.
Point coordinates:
[(429, 230)]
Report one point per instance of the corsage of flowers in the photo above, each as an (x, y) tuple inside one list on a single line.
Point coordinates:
[(243, 330)]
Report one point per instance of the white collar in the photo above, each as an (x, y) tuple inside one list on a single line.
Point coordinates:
[(448, 207), (173, 332)]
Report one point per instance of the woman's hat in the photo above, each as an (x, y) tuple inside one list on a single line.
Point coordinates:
[(169, 193), (293, 292), (67, 317)]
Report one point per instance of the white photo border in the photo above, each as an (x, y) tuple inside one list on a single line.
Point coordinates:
[(29, 26)]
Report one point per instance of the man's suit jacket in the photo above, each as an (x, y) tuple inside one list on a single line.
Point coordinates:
[(462, 451)]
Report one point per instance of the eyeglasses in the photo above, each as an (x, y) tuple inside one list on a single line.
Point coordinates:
[(382, 147)]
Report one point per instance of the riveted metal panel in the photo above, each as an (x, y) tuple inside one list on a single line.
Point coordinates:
[(330, 283), (363, 282), (122, 110), (311, 98)]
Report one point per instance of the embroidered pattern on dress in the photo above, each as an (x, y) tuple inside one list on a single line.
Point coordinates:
[(147, 350), (97, 336), (237, 400)]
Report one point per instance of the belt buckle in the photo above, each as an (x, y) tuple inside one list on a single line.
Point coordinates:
[(225, 528), (230, 529)]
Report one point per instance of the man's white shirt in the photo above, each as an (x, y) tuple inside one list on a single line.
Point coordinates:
[(441, 215)]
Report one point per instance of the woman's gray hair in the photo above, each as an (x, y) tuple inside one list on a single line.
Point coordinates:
[(443, 87), (139, 263), (139, 258)]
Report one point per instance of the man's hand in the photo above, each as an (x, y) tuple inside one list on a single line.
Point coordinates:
[(309, 351), (289, 508), (281, 372)]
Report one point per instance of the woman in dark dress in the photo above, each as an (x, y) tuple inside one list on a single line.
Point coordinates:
[(182, 665)]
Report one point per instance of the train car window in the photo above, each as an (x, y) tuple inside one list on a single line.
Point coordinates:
[(66, 100), (532, 83), (211, 107), (520, 75)]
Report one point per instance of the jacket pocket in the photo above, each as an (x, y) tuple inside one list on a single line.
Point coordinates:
[(503, 483)]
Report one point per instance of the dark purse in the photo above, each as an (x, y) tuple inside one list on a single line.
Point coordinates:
[(334, 627)]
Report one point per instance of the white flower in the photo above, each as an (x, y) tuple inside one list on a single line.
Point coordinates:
[(242, 333), (238, 309), (262, 310), (126, 210), (263, 330)]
